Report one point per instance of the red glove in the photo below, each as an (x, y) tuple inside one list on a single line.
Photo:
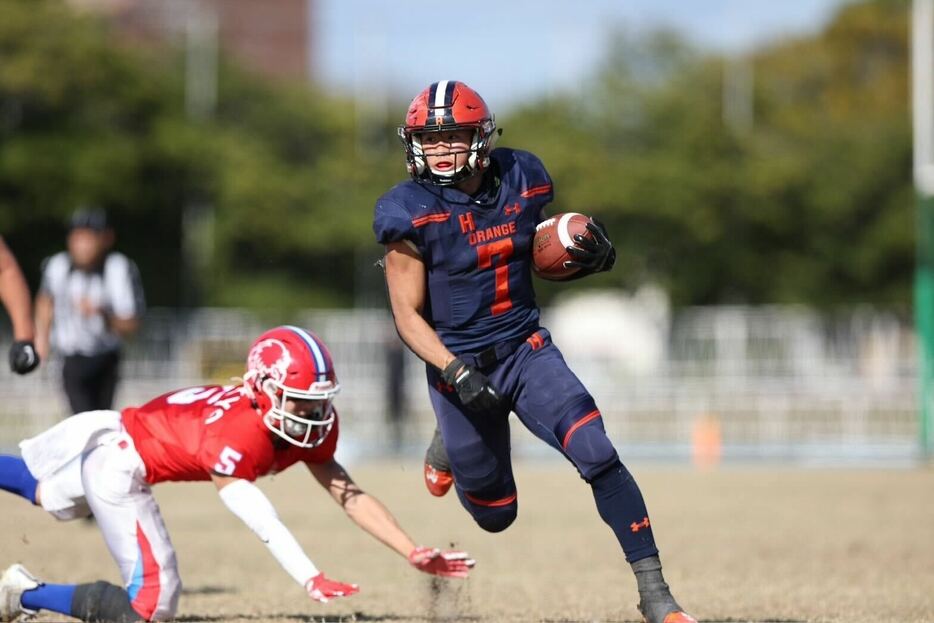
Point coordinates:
[(448, 564), (323, 589)]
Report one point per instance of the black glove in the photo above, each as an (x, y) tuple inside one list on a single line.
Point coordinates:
[(592, 255), (23, 357), (473, 388)]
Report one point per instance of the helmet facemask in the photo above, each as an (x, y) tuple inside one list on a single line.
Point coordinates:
[(309, 429), (482, 141)]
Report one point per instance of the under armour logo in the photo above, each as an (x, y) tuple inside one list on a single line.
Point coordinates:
[(638, 525)]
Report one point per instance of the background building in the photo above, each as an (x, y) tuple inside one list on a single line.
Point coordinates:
[(274, 38)]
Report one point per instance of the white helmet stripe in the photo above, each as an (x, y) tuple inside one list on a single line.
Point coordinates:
[(320, 362), (439, 94)]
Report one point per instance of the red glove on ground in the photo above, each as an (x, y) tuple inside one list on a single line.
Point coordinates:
[(323, 589), (449, 564)]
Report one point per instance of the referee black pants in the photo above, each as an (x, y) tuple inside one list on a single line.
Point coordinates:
[(90, 380)]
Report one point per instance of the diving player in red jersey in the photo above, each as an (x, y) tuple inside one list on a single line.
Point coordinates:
[(458, 270), (105, 462)]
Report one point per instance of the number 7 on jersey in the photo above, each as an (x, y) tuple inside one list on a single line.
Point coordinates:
[(497, 253)]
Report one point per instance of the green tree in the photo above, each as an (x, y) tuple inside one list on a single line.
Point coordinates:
[(812, 204)]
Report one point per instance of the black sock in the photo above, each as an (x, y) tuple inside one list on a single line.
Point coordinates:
[(621, 506)]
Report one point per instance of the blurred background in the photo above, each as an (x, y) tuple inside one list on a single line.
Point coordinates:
[(752, 160)]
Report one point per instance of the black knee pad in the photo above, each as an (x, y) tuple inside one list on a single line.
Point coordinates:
[(102, 602), (494, 519), (493, 513)]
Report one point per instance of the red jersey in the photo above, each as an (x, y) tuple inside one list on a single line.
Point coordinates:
[(192, 433)]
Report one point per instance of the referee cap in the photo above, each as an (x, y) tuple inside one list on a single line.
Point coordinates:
[(88, 218)]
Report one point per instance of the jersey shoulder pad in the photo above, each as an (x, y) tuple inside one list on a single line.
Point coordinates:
[(392, 218), (530, 164), (523, 173)]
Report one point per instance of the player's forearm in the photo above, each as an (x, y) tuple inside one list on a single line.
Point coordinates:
[(407, 288), (18, 302), (422, 339), (370, 514)]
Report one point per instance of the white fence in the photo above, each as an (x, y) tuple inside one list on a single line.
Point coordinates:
[(777, 383)]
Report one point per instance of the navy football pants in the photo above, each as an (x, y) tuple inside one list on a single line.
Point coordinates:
[(556, 407)]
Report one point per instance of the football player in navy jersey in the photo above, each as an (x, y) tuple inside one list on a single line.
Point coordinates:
[(458, 269)]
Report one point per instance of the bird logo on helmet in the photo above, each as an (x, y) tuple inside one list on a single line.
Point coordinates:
[(448, 105), (270, 358), (288, 367)]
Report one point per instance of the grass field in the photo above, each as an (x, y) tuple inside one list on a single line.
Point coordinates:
[(738, 544)]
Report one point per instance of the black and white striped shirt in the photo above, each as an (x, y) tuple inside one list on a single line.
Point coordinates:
[(116, 288)]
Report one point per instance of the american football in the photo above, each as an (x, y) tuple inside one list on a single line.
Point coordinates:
[(549, 247)]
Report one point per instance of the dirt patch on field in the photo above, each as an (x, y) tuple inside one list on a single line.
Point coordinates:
[(738, 544)]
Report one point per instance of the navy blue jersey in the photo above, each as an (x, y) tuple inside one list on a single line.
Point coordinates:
[(476, 250)]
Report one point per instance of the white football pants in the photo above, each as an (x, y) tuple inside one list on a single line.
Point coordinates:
[(110, 480)]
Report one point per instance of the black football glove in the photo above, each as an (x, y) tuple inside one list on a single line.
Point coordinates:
[(592, 255), (473, 388), (23, 357)]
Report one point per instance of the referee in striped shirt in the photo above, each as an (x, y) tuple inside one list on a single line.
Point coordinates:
[(89, 299)]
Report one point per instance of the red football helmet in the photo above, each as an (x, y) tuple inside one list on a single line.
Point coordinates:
[(448, 105), (288, 363)]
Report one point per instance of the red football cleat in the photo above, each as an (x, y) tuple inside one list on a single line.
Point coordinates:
[(438, 476), (437, 481), (678, 616)]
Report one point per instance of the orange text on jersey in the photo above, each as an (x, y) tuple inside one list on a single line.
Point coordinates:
[(491, 233)]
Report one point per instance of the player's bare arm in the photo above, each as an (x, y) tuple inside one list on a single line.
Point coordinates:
[(14, 293), (365, 510), (405, 278), (373, 517)]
